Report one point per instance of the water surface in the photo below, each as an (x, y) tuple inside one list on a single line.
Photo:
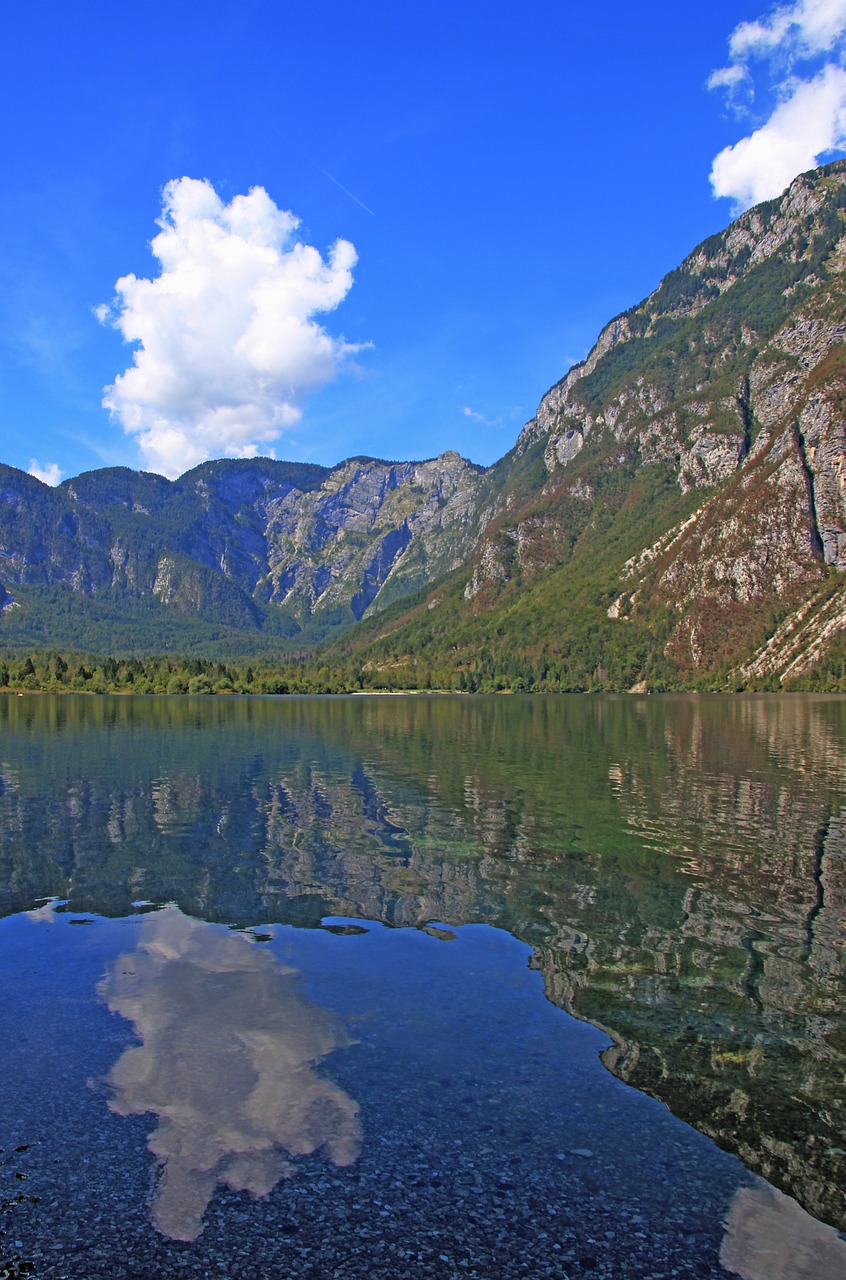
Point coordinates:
[(479, 987)]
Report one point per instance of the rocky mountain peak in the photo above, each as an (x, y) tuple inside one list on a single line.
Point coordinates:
[(675, 511), (801, 228)]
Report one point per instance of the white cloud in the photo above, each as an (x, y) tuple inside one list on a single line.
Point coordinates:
[(228, 343), (810, 123), (728, 78), (475, 416), (798, 52), (47, 474), (811, 26)]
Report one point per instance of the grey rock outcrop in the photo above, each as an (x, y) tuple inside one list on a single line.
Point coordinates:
[(731, 376), (244, 543)]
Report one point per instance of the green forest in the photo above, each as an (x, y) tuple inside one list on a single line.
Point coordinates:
[(590, 671)]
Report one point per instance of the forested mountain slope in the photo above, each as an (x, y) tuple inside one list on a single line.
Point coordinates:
[(238, 554), (673, 515)]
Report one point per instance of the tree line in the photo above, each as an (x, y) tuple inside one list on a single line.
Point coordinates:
[(485, 672)]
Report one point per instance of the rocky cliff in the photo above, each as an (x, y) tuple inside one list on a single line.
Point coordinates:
[(675, 510), (673, 515), (251, 546)]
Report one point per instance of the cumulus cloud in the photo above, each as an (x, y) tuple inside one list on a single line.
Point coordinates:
[(808, 124), (228, 345), (792, 58), (49, 473)]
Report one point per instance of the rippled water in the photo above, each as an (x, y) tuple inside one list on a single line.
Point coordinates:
[(361, 986)]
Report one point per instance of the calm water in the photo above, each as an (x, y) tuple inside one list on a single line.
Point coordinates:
[(423, 987)]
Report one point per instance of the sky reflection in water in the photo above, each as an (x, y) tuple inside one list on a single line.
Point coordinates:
[(674, 868)]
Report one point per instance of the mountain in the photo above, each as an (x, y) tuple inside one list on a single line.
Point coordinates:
[(672, 516), (234, 552)]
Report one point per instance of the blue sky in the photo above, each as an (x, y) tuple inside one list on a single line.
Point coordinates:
[(473, 191)]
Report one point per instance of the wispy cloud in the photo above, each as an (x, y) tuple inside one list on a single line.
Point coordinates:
[(480, 417), (228, 346), (797, 30), (48, 473), (731, 78), (789, 65)]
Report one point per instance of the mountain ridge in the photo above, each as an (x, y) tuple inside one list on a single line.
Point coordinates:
[(720, 424), (246, 544), (675, 501)]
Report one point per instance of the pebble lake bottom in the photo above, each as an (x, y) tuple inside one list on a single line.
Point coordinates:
[(466, 1126)]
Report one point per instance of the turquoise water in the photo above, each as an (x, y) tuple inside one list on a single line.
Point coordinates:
[(406, 986)]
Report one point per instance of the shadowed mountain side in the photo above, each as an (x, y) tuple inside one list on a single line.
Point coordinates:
[(235, 554)]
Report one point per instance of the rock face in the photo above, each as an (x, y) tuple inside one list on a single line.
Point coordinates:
[(250, 544), (371, 530), (674, 512), (729, 383)]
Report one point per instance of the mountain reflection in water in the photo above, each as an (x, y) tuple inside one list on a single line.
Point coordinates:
[(678, 864), (226, 1062)]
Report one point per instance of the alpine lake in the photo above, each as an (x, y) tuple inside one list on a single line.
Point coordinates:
[(440, 986)]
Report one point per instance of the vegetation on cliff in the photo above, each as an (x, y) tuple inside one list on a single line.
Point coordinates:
[(672, 517)]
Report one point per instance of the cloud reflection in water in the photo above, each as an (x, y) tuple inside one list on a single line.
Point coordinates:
[(226, 1061), (771, 1237)]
